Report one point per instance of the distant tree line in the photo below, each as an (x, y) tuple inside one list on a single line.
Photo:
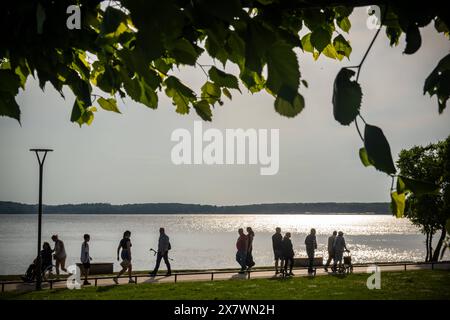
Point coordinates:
[(7, 207)]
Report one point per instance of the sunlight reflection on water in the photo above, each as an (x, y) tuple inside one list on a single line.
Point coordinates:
[(206, 241)]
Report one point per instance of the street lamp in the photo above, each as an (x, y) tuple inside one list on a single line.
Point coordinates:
[(38, 270)]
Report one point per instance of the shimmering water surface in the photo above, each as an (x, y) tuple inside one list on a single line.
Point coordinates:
[(205, 241)]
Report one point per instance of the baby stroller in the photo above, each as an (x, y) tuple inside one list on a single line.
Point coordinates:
[(30, 274)]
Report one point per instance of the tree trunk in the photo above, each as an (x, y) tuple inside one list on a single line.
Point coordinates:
[(437, 251), (426, 246)]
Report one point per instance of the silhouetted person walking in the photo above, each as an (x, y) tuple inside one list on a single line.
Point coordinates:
[(288, 254), (163, 253), (330, 248), (86, 258), (277, 245), (311, 246), (59, 254), (125, 254), (250, 236), (241, 246)]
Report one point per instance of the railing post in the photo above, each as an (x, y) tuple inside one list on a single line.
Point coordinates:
[(432, 266), (175, 278), (248, 274), (3, 287), (135, 279), (405, 266), (51, 284), (95, 282), (212, 276)]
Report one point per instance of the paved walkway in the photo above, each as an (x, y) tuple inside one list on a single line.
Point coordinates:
[(224, 276)]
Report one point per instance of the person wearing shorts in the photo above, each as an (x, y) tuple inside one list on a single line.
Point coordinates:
[(277, 244), (86, 258), (59, 254), (125, 254)]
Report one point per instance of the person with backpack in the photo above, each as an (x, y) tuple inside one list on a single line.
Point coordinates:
[(163, 253), (125, 245)]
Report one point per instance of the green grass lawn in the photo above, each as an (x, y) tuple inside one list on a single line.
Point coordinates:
[(424, 284)]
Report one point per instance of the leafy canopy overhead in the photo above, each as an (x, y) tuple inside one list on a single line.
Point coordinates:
[(133, 48)]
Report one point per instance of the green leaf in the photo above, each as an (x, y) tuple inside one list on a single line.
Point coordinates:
[(342, 47), (223, 79), (320, 38), (306, 43), (9, 106), (438, 82), (180, 94), (283, 71), (253, 81), (226, 93), (108, 104), (344, 24), (413, 39), (257, 39), (184, 52), (401, 187), (364, 157), (211, 92), (203, 109), (393, 33), (347, 97), (10, 82), (398, 204), (288, 109), (113, 19), (77, 111), (378, 149), (418, 187), (330, 52), (148, 95)]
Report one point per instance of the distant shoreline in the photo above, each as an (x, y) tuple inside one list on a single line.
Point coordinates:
[(332, 208)]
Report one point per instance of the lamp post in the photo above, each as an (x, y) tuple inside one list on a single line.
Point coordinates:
[(38, 270)]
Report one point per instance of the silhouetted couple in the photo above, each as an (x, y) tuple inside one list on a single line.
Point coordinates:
[(283, 252), (244, 246), (336, 249)]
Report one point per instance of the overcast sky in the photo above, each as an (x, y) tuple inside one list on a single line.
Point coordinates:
[(126, 158)]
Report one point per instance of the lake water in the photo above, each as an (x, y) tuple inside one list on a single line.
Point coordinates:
[(205, 241)]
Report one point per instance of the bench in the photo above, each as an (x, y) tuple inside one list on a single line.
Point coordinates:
[(99, 267), (304, 262)]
